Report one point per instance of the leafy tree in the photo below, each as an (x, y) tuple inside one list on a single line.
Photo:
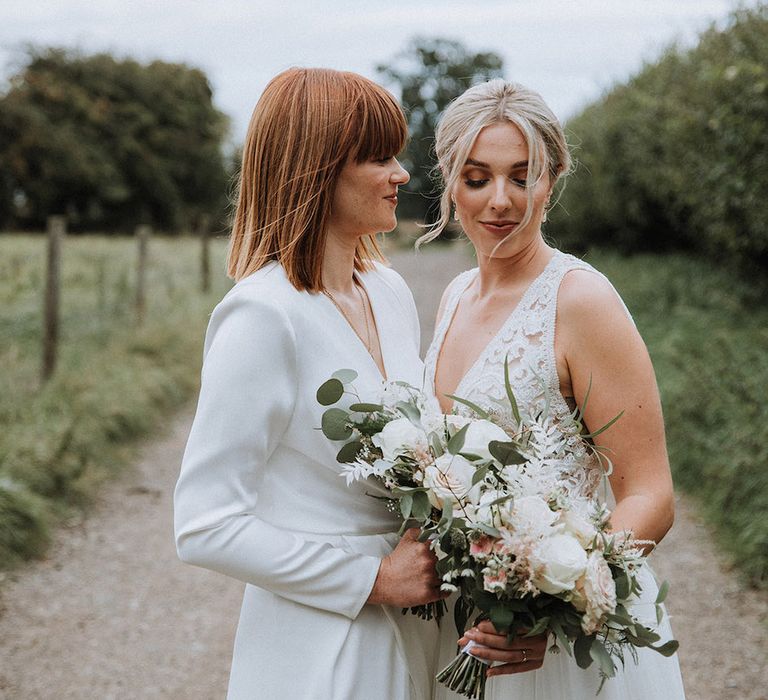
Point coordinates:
[(109, 142), (430, 73), (677, 158)]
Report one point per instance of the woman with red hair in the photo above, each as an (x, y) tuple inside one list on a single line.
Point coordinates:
[(260, 496)]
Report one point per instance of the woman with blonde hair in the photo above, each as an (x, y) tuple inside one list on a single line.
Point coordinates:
[(562, 327), (260, 496)]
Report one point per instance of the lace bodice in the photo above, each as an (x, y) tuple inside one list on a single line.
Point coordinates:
[(527, 340)]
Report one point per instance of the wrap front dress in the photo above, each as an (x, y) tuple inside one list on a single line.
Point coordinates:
[(260, 496)]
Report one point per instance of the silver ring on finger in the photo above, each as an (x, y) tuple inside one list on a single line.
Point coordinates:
[(525, 656)]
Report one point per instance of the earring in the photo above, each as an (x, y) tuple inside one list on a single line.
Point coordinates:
[(544, 218)]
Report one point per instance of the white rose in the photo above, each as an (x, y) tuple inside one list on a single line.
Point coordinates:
[(399, 436), (479, 434), (599, 590), (558, 561), (533, 514), (451, 477), (580, 527)]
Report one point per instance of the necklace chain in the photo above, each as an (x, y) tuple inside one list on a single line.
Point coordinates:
[(367, 340)]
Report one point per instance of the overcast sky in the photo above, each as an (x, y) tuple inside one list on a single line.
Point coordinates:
[(568, 50)]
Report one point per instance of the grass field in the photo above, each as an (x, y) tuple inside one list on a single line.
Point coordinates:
[(707, 333), (114, 380)]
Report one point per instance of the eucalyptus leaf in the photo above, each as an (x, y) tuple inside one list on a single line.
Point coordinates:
[(447, 517), (409, 411), (488, 530), (581, 648), (501, 617), (406, 504), (425, 534), (479, 474), (622, 620), (349, 452), (505, 452), (330, 392), (461, 612), (600, 654), (542, 624), (622, 586), (335, 424), (663, 591), (457, 441), (434, 442), (668, 648), (484, 600), (421, 506), (366, 407), (345, 376)]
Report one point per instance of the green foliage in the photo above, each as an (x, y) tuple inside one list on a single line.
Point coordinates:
[(677, 158), (430, 73), (114, 382), (330, 392), (707, 332), (109, 142)]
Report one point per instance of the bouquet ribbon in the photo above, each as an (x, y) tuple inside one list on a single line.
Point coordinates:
[(467, 649)]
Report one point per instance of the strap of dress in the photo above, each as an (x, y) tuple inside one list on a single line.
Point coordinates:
[(547, 302), (570, 262)]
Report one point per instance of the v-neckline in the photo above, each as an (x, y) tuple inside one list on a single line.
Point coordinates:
[(357, 339), (449, 316)]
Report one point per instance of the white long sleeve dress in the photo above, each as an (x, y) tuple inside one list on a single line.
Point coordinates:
[(260, 496)]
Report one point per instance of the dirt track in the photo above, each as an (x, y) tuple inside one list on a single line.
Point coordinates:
[(111, 613)]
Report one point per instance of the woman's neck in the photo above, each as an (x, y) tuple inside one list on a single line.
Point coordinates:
[(524, 263), (339, 264)]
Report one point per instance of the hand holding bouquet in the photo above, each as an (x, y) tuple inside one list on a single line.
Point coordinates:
[(514, 539)]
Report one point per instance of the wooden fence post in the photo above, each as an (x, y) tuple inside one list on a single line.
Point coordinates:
[(142, 236), (205, 253), (57, 227)]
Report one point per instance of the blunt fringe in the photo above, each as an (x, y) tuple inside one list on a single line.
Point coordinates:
[(305, 127)]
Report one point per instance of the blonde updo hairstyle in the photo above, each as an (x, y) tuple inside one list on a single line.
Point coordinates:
[(490, 103)]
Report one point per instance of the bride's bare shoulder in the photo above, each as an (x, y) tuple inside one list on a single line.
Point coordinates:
[(589, 306)]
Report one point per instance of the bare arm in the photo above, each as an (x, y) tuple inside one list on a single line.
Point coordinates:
[(597, 340)]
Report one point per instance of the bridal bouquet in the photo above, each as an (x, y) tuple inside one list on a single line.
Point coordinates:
[(491, 494)]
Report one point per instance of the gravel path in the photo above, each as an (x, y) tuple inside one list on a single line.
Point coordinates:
[(111, 613)]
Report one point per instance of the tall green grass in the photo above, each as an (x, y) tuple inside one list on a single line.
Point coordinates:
[(707, 333), (114, 381)]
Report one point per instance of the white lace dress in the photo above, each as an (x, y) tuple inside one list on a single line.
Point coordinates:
[(527, 339)]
